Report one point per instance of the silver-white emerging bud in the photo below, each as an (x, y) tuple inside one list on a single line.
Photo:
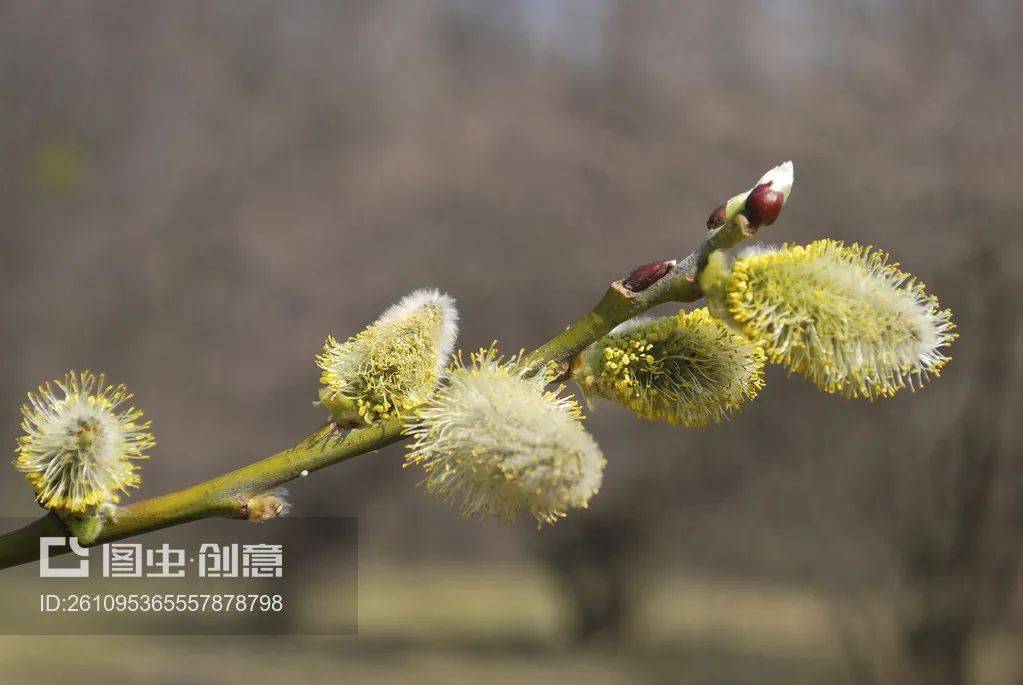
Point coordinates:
[(761, 204)]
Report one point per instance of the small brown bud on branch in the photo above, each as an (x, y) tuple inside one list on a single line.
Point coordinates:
[(717, 218), (642, 277), (763, 205)]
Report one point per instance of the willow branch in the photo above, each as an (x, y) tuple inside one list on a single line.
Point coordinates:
[(227, 495), (620, 303)]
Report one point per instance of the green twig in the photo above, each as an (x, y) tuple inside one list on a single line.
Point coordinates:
[(620, 304), (227, 495)]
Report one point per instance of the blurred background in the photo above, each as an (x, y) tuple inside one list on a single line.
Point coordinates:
[(194, 194)]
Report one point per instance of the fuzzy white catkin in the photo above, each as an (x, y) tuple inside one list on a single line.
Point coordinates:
[(494, 436), (80, 444)]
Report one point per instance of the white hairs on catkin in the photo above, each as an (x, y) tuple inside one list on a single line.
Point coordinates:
[(495, 436), (446, 334), (394, 364)]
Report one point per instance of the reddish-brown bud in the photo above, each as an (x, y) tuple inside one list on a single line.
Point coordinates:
[(642, 277), (763, 205), (716, 218)]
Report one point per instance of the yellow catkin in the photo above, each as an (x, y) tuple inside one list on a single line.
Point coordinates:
[(841, 315), (393, 365), (688, 369)]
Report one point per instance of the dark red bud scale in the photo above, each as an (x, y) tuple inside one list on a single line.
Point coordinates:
[(642, 277), (716, 218), (763, 205)]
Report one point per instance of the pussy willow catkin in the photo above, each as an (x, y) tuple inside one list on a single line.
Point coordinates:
[(394, 364), (841, 315), (689, 369), (494, 436), (80, 444)]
